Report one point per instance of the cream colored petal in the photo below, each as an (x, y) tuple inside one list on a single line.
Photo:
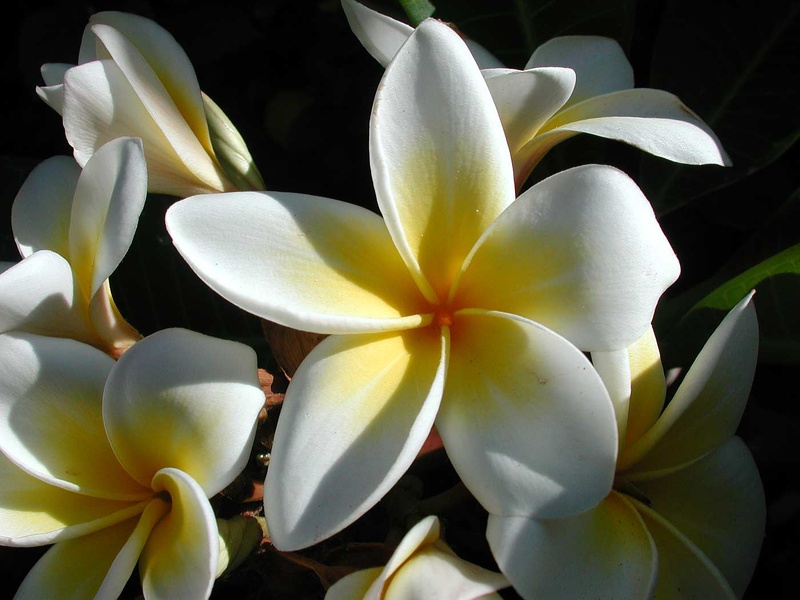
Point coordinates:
[(439, 157), (708, 405), (306, 262), (184, 400), (181, 554), (355, 415), (581, 253), (41, 211), (50, 416), (648, 386), (100, 105), (718, 503), (355, 585), (35, 513), (381, 35), (115, 333), (684, 572), (599, 63), (109, 198), (525, 419), (652, 120), (76, 569), (52, 92), (605, 552), (525, 100)]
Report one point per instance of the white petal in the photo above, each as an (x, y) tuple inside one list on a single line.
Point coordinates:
[(109, 198), (355, 415), (599, 63), (581, 253), (354, 585), (41, 211), (382, 36), (53, 91), (605, 552), (309, 263), (652, 120), (181, 555), (184, 400), (525, 419), (708, 405), (718, 503), (484, 58), (440, 161), (50, 415)]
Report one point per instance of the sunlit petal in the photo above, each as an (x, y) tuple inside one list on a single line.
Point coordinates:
[(52, 92), (50, 415), (181, 554), (109, 198), (614, 369), (525, 419), (652, 120), (709, 403), (648, 386), (525, 100), (381, 35), (355, 415), (605, 552), (582, 253), (354, 585), (599, 63), (309, 263), (76, 569), (439, 157), (718, 503), (34, 513), (185, 400), (41, 211)]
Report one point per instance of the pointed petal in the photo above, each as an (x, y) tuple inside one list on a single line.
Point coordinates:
[(718, 503), (41, 211), (424, 533), (34, 513), (355, 415), (684, 572), (76, 569), (581, 253), (381, 35), (52, 93), (652, 120), (605, 552), (599, 63), (181, 555), (354, 585), (50, 415), (525, 419), (185, 400), (439, 157), (525, 100), (109, 198), (309, 263), (707, 408)]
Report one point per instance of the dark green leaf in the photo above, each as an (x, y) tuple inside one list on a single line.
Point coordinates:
[(418, 10)]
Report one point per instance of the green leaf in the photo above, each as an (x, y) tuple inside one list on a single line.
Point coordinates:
[(734, 67), (417, 10)]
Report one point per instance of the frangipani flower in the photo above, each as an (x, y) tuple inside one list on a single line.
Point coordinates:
[(133, 79), (422, 566), (570, 85), (453, 308), (114, 462), (72, 229), (687, 514)]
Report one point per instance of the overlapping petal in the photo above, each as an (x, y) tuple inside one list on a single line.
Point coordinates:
[(306, 262), (355, 415), (439, 158), (605, 552), (50, 416), (581, 253), (526, 421), (180, 557), (195, 410), (354, 585)]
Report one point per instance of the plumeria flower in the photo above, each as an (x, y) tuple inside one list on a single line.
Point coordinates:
[(72, 228), (114, 462), (461, 307), (687, 514), (134, 79), (422, 566), (570, 85)]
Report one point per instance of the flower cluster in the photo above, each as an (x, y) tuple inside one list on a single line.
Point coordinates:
[(514, 322)]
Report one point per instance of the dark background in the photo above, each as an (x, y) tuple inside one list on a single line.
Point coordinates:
[(299, 87)]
